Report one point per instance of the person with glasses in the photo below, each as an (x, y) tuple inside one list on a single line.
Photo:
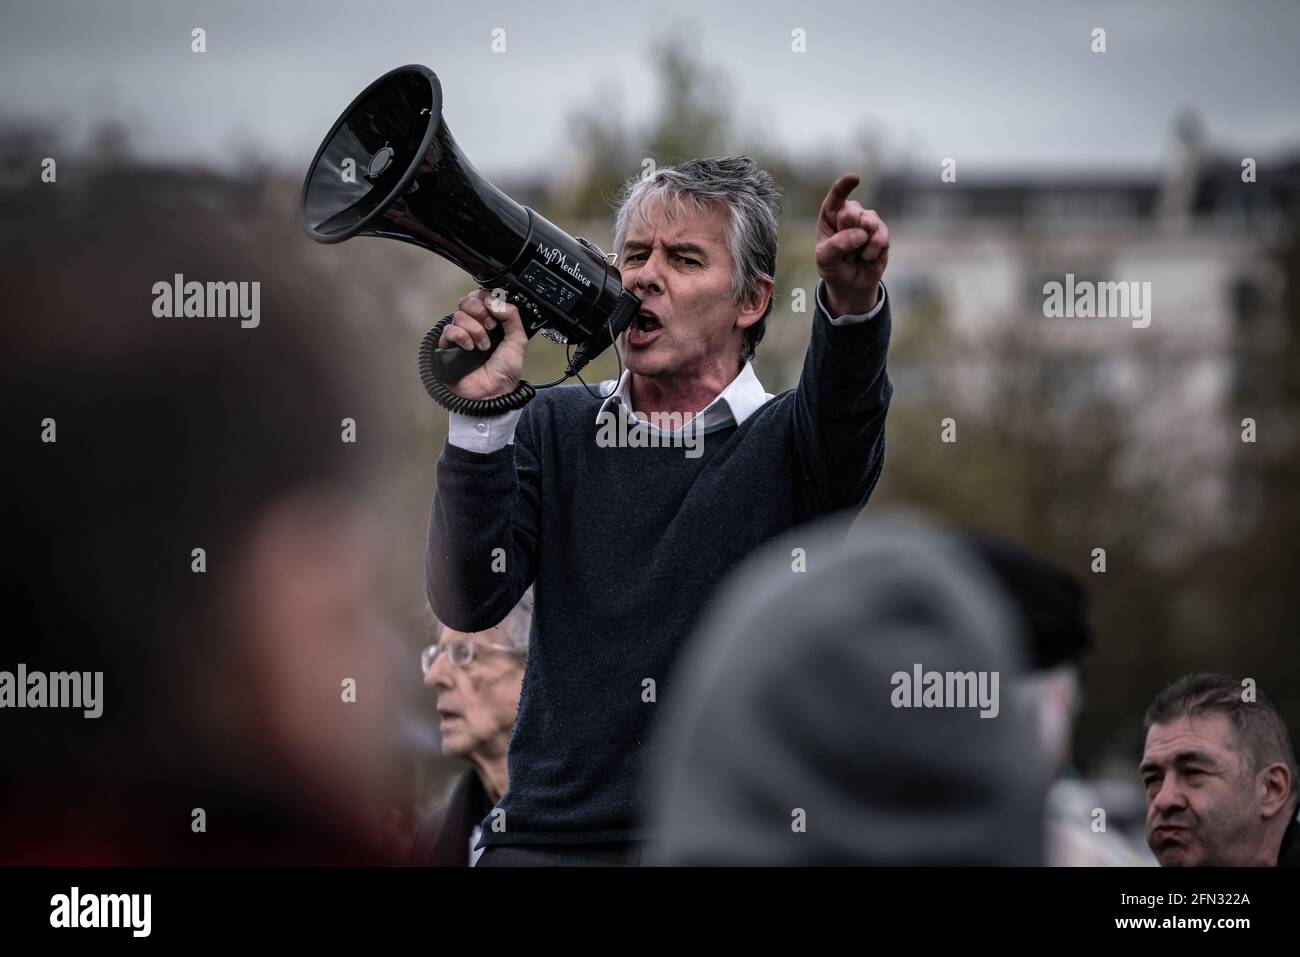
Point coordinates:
[(476, 679)]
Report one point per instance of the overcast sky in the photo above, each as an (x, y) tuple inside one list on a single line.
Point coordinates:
[(997, 85)]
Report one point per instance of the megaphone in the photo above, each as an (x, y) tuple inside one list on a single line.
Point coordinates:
[(390, 167)]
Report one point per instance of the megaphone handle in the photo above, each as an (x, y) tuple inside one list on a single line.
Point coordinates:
[(458, 362)]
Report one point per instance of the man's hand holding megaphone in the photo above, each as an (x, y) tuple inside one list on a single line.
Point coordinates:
[(476, 315)]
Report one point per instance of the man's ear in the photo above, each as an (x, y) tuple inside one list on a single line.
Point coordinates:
[(1275, 784), (291, 623), (753, 310), (307, 561), (305, 590)]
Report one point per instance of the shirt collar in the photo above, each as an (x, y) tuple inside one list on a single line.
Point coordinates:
[(734, 404)]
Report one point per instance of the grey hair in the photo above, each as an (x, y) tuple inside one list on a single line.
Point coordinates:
[(753, 203), (519, 623)]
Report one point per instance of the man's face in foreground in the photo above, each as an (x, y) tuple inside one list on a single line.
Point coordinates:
[(1203, 809), (681, 270)]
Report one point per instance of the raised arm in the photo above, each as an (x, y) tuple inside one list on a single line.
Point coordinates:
[(481, 552), (844, 390)]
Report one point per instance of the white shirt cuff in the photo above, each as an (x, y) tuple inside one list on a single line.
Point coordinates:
[(850, 320), (482, 433)]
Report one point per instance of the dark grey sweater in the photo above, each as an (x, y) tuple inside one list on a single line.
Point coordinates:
[(625, 546)]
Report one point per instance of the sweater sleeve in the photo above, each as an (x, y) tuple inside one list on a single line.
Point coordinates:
[(481, 553), (839, 412)]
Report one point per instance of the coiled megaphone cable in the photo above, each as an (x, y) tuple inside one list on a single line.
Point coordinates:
[(438, 390), (517, 398)]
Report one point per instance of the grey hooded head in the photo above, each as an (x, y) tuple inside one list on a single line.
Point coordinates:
[(783, 742)]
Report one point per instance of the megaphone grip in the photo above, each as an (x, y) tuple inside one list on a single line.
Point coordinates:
[(434, 361), (458, 362)]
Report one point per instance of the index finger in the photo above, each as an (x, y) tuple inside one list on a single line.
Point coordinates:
[(834, 200)]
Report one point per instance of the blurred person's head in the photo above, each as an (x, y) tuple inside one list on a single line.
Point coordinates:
[(789, 743), (248, 680), (1053, 609), (1054, 698), (697, 243), (476, 678), (1219, 772)]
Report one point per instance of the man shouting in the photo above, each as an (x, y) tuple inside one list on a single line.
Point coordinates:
[(625, 541)]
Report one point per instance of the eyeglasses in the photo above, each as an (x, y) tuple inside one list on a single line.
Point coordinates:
[(460, 651)]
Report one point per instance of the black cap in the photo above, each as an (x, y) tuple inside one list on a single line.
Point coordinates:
[(1052, 601)]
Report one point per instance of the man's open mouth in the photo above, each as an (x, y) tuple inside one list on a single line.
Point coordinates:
[(644, 329)]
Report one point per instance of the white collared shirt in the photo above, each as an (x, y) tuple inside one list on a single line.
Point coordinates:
[(475, 853), (737, 402), (733, 405)]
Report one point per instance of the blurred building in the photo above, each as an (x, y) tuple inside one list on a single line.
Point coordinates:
[(975, 254)]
